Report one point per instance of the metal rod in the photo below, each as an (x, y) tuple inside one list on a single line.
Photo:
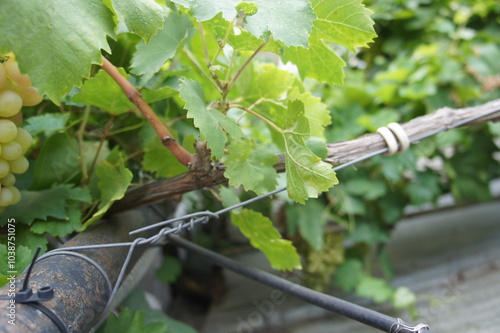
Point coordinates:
[(356, 312)]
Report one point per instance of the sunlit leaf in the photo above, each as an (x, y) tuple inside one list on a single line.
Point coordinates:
[(251, 166), (263, 236), (307, 175), (55, 42)]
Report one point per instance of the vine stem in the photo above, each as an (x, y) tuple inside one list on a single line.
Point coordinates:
[(161, 130), (222, 44), (79, 135), (204, 42), (216, 84), (270, 123), (101, 143), (235, 77)]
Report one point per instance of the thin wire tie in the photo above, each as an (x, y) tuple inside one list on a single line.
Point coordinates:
[(181, 218), (400, 325)]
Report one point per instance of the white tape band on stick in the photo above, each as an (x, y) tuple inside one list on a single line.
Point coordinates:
[(390, 140), (395, 137)]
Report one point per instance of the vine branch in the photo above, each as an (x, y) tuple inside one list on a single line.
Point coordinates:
[(338, 153), (161, 130)]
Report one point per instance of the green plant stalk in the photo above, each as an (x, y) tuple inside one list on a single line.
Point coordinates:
[(242, 68), (79, 136), (223, 43), (204, 42), (198, 66), (267, 121), (101, 142)]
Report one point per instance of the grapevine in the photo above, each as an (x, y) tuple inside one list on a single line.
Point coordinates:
[(16, 91)]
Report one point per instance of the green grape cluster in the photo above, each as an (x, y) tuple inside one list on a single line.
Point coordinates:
[(321, 264), (16, 91)]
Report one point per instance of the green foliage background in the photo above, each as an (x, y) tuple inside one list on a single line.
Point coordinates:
[(91, 144)]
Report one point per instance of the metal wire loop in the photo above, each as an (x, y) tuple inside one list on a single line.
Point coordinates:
[(400, 325)]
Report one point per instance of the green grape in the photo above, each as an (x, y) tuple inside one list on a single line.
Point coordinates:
[(8, 131), (24, 138), (11, 151), (4, 168), (19, 165), (10, 103), (12, 69), (9, 180), (16, 195), (3, 76), (6, 196), (29, 95)]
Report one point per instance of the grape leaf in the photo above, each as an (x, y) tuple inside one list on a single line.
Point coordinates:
[(251, 165), (403, 298), (262, 235), (136, 300), (39, 205), (113, 179), (25, 237), (349, 273), (102, 91), (142, 17), (307, 175), (130, 321), (149, 58), (272, 82), (229, 198), (248, 8), (47, 123), (42, 30), (151, 96), (309, 219), (375, 288), (60, 159), (71, 222), (204, 10), (169, 270), (243, 41), (57, 162), (318, 62), (50, 203), (159, 160), (344, 22), (288, 21), (59, 227), (23, 259), (316, 111), (213, 124)]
